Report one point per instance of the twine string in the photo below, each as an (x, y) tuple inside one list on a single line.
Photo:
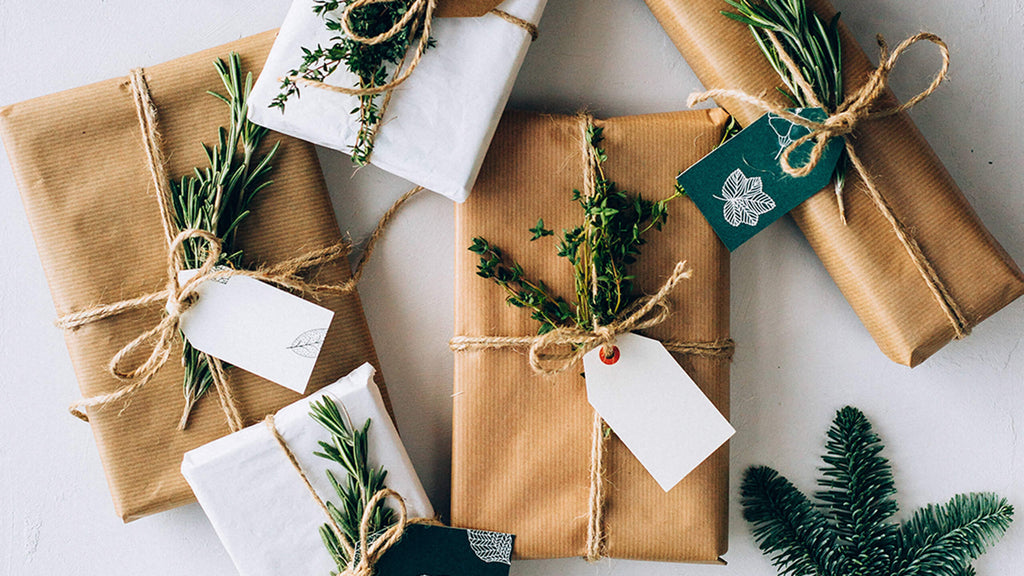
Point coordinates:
[(858, 107)]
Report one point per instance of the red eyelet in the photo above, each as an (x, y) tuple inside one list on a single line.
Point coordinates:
[(609, 360)]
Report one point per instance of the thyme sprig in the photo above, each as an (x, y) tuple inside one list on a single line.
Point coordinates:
[(349, 448), (813, 44), (216, 198), (600, 251), (372, 64)]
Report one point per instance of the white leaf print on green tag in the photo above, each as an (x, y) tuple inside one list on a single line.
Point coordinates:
[(745, 199), (491, 546)]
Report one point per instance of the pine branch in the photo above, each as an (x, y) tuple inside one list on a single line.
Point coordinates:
[(349, 447), (217, 198), (788, 527), (943, 539), (858, 492)]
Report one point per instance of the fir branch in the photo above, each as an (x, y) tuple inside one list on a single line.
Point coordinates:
[(788, 526), (372, 64), (600, 251), (847, 532), (858, 490), (349, 448), (943, 539), (217, 198)]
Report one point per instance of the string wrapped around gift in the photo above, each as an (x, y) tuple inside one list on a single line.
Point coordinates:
[(178, 297), (562, 347), (364, 553), (858, 107), (421, 15)]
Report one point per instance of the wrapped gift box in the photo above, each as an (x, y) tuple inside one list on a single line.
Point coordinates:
[(82, 171), (439, 122), (522, 441), (865, 258), (259, 506)]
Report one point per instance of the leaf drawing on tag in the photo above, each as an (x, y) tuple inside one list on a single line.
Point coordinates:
[(491, 547), (744, 198), (778, 124), (309, 342)]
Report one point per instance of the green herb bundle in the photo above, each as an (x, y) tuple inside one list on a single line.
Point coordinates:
[(814, 46), (600, 252), (349, 447), (847, 530), (216, 199), (372, 64)]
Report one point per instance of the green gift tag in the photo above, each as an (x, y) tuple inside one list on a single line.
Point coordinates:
[(740, 186), (426, 550)]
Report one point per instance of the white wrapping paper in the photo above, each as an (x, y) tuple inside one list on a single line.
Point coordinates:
[(439, 122), (258, 505)]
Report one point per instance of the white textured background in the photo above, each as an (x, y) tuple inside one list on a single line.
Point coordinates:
[(950, 425)]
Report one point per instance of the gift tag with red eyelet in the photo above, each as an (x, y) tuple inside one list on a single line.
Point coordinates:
[(654, 407)]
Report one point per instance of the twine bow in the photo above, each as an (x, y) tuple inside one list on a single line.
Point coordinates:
[(858, 107), (363, 554)]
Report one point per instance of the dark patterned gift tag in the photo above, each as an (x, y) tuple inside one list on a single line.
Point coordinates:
[(426, 550), (741, 188)]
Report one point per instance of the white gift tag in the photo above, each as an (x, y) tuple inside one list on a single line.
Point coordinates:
[(257, 327), (650, 403)]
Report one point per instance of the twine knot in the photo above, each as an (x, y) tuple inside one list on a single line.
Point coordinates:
[(557, 350)]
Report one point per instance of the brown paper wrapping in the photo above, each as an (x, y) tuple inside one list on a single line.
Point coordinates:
[(867, 262), (79, 162), (521, 454)]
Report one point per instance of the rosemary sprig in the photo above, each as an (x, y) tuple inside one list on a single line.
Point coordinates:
[(349, 448), (813, 44), (372, 64), (216, 198), (600, 251)]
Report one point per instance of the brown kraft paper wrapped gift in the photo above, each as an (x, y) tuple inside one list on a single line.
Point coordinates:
[(865, 258), (522, 442), (82, 170)]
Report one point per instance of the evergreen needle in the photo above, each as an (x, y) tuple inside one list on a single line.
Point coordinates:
[(217, 198), (813, 44), (349, 448)]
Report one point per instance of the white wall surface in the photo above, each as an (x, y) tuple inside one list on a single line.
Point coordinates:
[(950, 425)]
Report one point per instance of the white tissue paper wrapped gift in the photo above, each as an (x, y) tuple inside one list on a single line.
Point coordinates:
[(439, 123), (258, 504)]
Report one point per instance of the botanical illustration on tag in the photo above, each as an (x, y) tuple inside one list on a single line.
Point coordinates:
[(654, 407), (257, 327), (744, 199), (491, 546), (309, 342), (740, 187)]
